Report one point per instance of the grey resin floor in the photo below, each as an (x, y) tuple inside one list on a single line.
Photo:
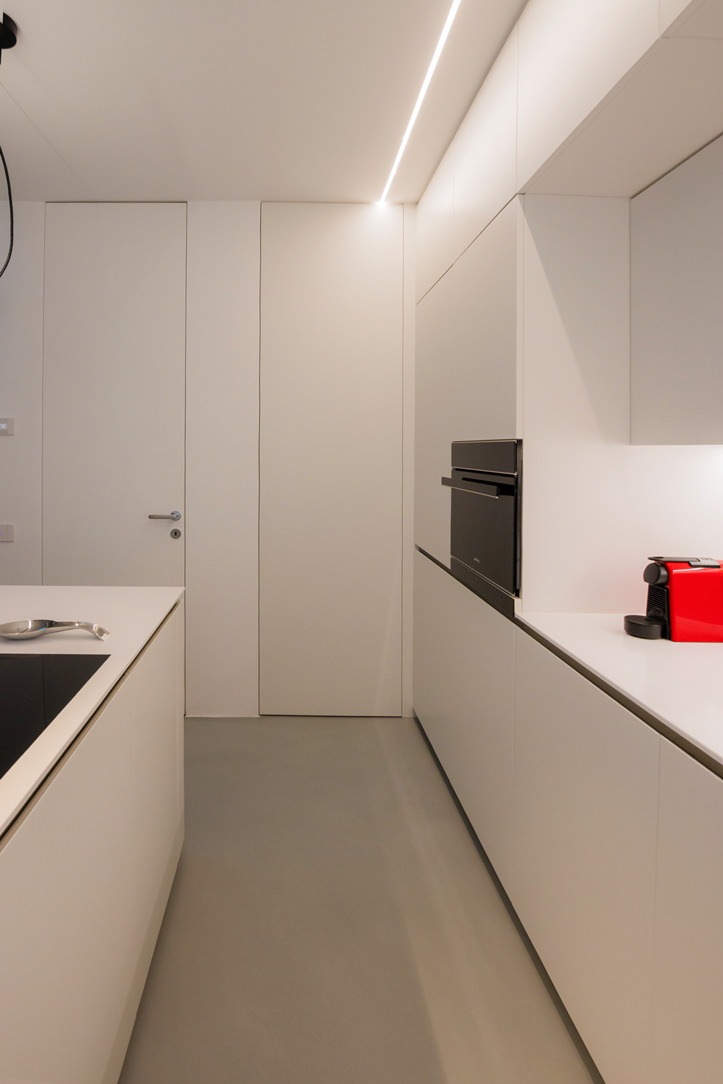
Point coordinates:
[(333, 923)]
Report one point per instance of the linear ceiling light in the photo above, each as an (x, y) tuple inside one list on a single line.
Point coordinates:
[(420, 98)]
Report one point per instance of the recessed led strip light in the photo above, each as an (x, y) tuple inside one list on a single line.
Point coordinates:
[(421, 96)]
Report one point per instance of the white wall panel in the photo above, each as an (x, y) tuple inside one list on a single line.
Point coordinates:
[(570, 56), (222, 359), (410, 251), (435, 226), (485, 150), (466, 362), (21, 369), (577, 495), (331, 459)]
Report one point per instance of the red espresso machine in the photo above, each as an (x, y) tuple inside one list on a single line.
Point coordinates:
[(685, 601)]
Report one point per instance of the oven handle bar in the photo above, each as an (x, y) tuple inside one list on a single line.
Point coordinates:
[(481, 489)]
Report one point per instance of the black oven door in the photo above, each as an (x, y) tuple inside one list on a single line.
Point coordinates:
[(484, 543)]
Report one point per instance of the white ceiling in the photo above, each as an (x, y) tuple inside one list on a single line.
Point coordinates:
[(235, 99)]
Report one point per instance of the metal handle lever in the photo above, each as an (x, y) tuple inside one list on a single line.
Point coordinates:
[(165, 515)]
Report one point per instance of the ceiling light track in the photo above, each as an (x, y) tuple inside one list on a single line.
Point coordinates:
[(421, 96)]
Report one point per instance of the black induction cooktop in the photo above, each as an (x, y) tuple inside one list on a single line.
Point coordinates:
[(33, 690)]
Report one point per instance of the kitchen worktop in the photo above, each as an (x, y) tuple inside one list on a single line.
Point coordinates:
[(131, 615), (678, 684)]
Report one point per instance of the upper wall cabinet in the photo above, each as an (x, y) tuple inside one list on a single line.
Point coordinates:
[(676, 316), (570, 56)]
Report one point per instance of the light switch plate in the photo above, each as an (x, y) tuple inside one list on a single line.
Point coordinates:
[(7, 532), (7, 427)]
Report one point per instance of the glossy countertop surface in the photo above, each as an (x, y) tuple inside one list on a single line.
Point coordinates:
[(131, 615), (680, 684)]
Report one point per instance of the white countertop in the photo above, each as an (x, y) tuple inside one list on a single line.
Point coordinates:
[(680, 684), (131, 615)]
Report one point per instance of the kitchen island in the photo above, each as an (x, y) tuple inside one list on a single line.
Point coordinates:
[(92, 823)]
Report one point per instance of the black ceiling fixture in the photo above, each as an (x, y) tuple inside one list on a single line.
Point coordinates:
[(8, 38), (8, 34)]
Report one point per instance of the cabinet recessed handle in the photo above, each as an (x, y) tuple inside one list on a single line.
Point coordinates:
[(165, 515)]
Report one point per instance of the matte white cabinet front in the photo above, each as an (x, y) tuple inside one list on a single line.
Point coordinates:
[(466, 348), (688, 986), (84, 878), (586, 774), (330, 527), (463, 697)]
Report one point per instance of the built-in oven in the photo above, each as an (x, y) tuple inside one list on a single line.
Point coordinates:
[(486, 518)]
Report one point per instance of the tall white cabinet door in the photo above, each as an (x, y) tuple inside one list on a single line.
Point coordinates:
[(464, 699), (330, 543), (114, 393), (586, 774), (688, 993), (465, 380)]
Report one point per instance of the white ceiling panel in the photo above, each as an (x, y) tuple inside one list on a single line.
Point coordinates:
[(235, 99)]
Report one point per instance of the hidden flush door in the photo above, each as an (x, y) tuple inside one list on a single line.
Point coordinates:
[(114, 394)]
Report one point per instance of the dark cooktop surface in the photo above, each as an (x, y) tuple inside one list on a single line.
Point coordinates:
[(33, 690)]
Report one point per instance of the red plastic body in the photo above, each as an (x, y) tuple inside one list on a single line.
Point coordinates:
[(695, 603)]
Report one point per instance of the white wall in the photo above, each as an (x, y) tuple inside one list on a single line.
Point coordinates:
[(594, 506), (21, 372), (222, 429)]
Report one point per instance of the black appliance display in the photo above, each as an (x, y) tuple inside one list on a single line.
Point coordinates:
[(33, 690), (485, 521)]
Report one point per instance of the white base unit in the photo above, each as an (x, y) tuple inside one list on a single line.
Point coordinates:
[(688, 981), (85, 873), (463, 697), (586, 775)]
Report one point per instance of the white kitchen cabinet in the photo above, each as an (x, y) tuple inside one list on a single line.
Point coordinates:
[(570, 56), (676, 316), (330, 526), (84, 876), (463, 697), (583, 873), (466, 349), (435, 226), (485, 151), (477, 176), (688, 985)]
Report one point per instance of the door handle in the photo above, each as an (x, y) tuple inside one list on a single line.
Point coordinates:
[(165, 515)]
